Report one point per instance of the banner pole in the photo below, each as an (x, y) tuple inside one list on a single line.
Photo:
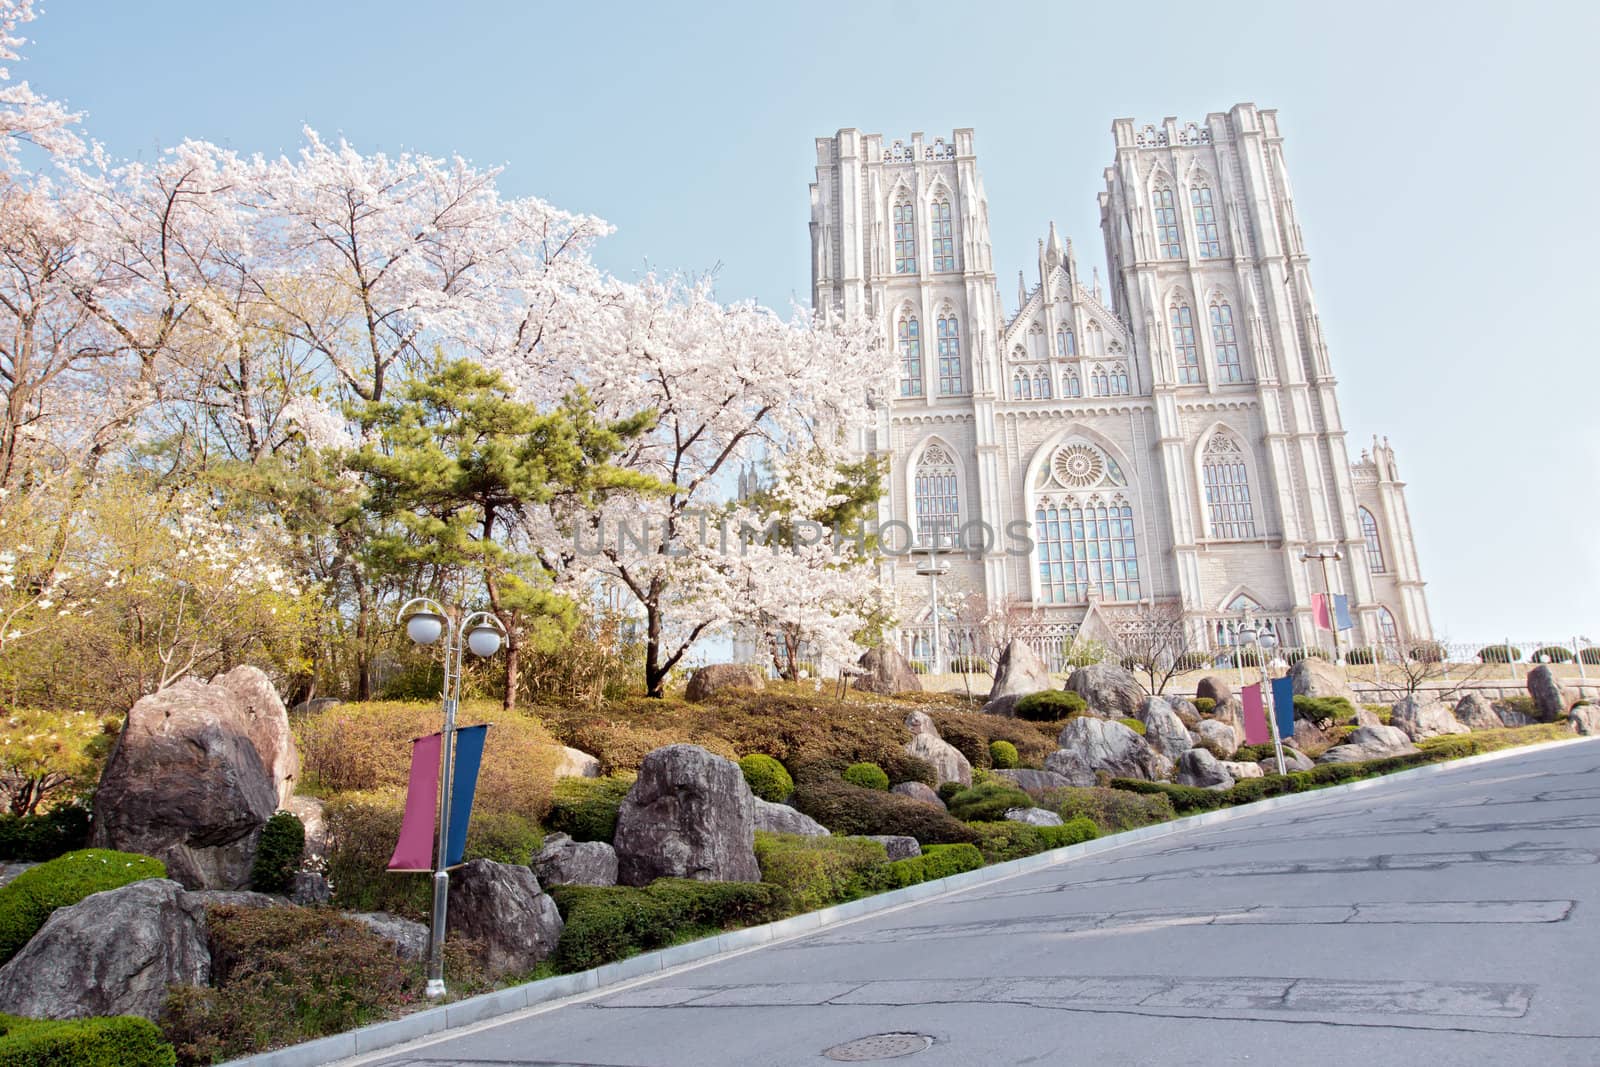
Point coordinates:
[(441, 872)]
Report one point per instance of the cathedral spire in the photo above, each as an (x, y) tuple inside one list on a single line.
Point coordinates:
[(1022, 292), (1052, 247)]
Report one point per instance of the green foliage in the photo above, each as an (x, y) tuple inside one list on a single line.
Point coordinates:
[(767, 777), (969, 665), (1133, 724), (1499, 654), (586, 808), (362, 831), (504, 837), (36, 838), (972, 732), (1205, 705), (1111, 810), (949, 790), (936, 861), (1521, 703), (854, 811), (1297, 654), (29, 899), (1315, 709), (1361, 657), (816, 871), (1591, 656), (1006, 840), (1052, 705), (1083, 653), (608, 923), (119, 1041), (1002, 754), (1428, 652), (1255, 753), (867, 776), (988, 802), (1552, 654), (278, 854)]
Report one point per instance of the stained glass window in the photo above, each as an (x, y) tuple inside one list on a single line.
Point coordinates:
[(910, 357), (1168, 245), (1184, 349), (905, 238), (1205, 222), (943, 237)]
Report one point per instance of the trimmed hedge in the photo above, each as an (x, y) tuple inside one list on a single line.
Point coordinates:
[(1111, 810), (1552, 654), (1002, 754), (608, 923), (1315, 709), (1005, 840), (853, 811), (766, 777), (1052, 705), (867, 776), (29, 899), (1591, 656), (988, 802), (814, 872), (36, 838), (1361, 657), (1204, 705), (278, 854), (1499, 654), (936, 861), (586, 808), (117, 1041)]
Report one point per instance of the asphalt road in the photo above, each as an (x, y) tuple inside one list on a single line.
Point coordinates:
[(1452, 919)]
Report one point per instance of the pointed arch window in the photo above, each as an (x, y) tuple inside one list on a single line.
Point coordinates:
[(1083, 528), (1070, 385), (1041, 385), (1066, 344), (952, 379), (942, 234), (1036, 341), (1226, 342), (1369, 531), (1022, 386), (937, 495), (1227, 485), (910, 339), (1096, 339), (905, 237), (1205, 222), (1164, 208), (1388, 631), (1184, 349)]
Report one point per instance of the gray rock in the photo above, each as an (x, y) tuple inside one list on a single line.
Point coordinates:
[(1551, 699), (782, 819), (1476, 712), (1187, 713), (410, 938), (309, 887), (1219, 736), (234, 898), (1214, 688), (1420, 720), (575, 763), (1197, 767), (503, 908), (1029, 780), (1316, 677), (1163, 729), (897, 846), (1293, 760), (1033, 816), (313, 817), (9, 871), (886, 671), (1584, 719), (1510, 716), (315, 706), (716, 678), (1370, 742), (1090, 745), (112, 953), (185, 783), (1110, 691), (690, 814), (267, 723), (1367, 717), (920, 791), (1240, 771), (1019, 672), (1005, 707), (563, 861), (1230, 714), (948, 763)]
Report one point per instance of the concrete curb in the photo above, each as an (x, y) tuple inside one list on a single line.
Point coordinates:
[(550, 993)]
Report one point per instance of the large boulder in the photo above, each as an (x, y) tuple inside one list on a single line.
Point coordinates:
[(1090, 745), (576, 763), (1365, 716), (410, 939), (885, 670), (919, 791), (1551, 699), (186, 784), (1219, 737), (716, 678), (1510, 716), (1584, 719), (1476, 712), (1214, 689), (1110, 691), (898, 846), (1200, 768), (1241, 770), (1420, 720), (1370, 742), (502, 907), (690, 814), (1292, 761), (1030, 780), (1316, 677), (1019, 672), (267, 723), (1163, 729), (1230, 713), (948, 762), (1187, 713), (1033, 816), (563, 861), (112, 953), (782, 819)]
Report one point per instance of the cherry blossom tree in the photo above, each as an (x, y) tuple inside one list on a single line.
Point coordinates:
[(26, 118)]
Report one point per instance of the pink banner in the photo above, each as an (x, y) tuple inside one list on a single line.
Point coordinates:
[(415, 850), (1255, 716), (1319, 611)]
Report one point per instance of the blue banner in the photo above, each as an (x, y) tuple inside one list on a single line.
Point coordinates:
[(1283, 705), (464, 786), (1341, 612)]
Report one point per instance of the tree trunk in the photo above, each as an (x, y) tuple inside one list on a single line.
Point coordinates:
[(655, 676)]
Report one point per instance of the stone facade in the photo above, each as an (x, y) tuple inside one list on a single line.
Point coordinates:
[(1183, 412)]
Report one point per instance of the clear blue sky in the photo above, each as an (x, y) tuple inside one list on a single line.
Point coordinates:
[(1443, 156)]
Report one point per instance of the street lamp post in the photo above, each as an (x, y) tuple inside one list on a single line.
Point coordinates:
[(931, 570), (483, 634), (1261, 640), (1327, 591)]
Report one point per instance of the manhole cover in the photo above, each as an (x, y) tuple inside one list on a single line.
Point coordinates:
[(878, 1047)]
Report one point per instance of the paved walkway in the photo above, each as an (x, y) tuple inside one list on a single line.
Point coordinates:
[(1454, 919)]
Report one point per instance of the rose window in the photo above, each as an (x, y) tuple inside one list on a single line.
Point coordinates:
[(1079, 466)]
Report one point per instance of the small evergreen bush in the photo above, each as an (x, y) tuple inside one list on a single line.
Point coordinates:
[(1552, 654), (29, 899), (988, 802), (1052, 705), (1499, 654), (1295, 655), (936, 861), (767, 777), (851, 810), (608, 923), (1205, 705), (1315, 709), (278, 853), (36, 838), (1002, 754), (1428, 652), (586, 808), (814, 872), (947, 790), (867, 776), (1006, 840), (1111, 810), (119, 1041)]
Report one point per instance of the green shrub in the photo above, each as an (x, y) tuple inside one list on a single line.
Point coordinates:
[(1002, 754), (969, 665), (1006, 840), (1552, 654), (936, 861), (586, 808), (1111, 810), (1315, 709), (972, 733), (970, 742), (1361, 657), (1072, 832), (1052, 705), (980, 775), (29, 899), (867, 776), (853, 811), (767, 777), (278, 854), (1521, 703), (119, 1041), (988, 802), (1133, 724), (504, 837), (608, 923), (36, 838), (1205, 705), (1295, 655), (816, 871), (1185, 799), (1499, 654), (1428, 652), (362, 831), (1591, 656), (1255, 753), (948, 790)]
